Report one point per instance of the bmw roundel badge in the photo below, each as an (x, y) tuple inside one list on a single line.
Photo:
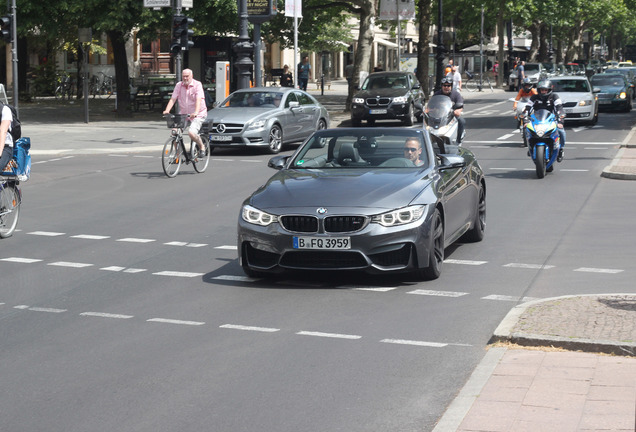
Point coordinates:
[(321, 211)]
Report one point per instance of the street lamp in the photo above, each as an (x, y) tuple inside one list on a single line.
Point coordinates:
[(243, 48), (441, 51)]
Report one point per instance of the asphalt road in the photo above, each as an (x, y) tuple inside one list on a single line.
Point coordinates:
[(123, 306)]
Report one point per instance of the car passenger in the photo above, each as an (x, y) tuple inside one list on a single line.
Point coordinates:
[(413, 151)]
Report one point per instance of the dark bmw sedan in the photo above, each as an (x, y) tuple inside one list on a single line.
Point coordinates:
[(374, 199), (388, 95), (616, 92)]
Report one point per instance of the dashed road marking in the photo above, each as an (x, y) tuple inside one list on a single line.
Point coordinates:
[(598, 270), (178, 274), (465, 262), (329, 335), (21, 260), (69, 264), (508, 298), (249, 328), (228, 247), (376, 289), (235, 278), (106, 315), (173, 321), (413, 342), (90, 237), (39, 309), (438, 293), (135, 240), (529, 266), (47, 233)]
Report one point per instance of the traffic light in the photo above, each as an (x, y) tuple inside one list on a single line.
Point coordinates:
[(5, 23), (181, 34)]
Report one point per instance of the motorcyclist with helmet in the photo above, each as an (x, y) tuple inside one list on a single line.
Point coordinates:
[(548, 100), (458, 105), (526, 92)]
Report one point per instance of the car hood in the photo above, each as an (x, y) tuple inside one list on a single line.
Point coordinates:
[(574, 96), (238, 114), (383, 92), (370, 191), (610, 89)]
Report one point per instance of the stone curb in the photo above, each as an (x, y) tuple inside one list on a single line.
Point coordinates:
[(504, 332), (614, 170)]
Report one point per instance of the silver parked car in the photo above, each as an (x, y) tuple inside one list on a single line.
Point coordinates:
[(373, 199), (267, 117)]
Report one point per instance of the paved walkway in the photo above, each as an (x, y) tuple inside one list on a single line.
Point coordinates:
[(547, 368)]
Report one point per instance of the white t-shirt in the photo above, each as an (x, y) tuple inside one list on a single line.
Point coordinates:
[(6, 115), (457, 79)]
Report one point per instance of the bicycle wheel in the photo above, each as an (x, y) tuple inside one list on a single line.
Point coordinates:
[(470, 85), (171, 157), (59, 93), (109, 90), (201, 162), (9, 209)]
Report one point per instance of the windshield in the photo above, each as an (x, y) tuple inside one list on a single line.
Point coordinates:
[(577, 86), (385, 81), (609, 80), (362, 149), (531, 68), (253, 99), (439, 107)]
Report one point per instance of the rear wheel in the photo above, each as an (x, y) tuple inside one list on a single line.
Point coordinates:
[(171, 157), (539, 162), (9, 210), (275, 139), (476, 233), (436, 249), (201, 162)]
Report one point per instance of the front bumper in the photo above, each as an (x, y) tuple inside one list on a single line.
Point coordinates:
[(252, 138), (360, 111)]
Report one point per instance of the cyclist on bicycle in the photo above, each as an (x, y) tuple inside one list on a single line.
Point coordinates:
[(6, 139), (191, 97)]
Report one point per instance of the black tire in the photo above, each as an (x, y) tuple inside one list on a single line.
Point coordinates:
[(371, 122), (436, 249), (539, 162), (200, 164), (322, 124), (595, 118), (356, 122), (410, 119), (275, 138), (171, 158), (9, 210), (476, 233)]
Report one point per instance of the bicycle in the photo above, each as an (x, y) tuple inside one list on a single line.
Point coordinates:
[(10, 199), (64, 86), (103, 86), (174, 150), (472, 83)]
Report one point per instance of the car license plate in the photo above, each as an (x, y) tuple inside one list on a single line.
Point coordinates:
[(568, 110), (378, 111), (322, 243), (221, 137), (604, 102)]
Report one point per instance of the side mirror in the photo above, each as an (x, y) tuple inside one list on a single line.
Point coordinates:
[(596, 90), (417, 87), (294, 104), (278, 162), (451, 162)]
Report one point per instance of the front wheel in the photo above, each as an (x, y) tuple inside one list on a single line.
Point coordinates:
[(410, 116), (539, 162), (9, 210), (201, 162), (275, 139), (436, 249), (171, 157)]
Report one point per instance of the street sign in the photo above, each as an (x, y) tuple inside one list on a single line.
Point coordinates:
[(397, 9), (260, 10), (292, 6), (157, 3)]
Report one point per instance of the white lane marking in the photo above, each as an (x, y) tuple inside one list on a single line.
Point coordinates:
[(113, 268), (465, 262), (250, 160), (186, 244), (135, 240), (328, 335), (508, 298), (47, 233), (228, 247), (90, 237), (49, 310), (134, 270), (142, 156), (249, 328), (598, 270), (438, 293), (173, 321), (505, 137), (69, 264), (416, 343), (573, 170), (178, 274), (503, 169), (496, 143), (529, 266), (106, 315), (117, 155), (235, 278), (21, 260), (378, 289)]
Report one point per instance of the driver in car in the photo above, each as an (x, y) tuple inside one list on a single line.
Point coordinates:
[(413, 151), (458, 105)]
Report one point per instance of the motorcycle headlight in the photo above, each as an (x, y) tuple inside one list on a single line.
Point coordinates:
[(257, 217), (400, 99), (358, 100), (401, 216), (258, 124)]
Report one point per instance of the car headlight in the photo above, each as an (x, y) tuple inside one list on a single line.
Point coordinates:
[(358, 100), (585, 102), (401, 99), (257, 217), (258, 124), (401, 216), (622, 95)]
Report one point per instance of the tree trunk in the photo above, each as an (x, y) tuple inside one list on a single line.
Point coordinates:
[(118, 41), (424, 25), (362, 61)]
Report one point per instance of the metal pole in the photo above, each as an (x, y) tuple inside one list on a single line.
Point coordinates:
[(177, 58), (257, 54), (14, 54), (481, 49), (85, 75), (440, 49), (399, 34), (296, 43), (243, 49)]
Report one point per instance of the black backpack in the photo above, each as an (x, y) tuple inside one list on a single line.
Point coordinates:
[(16, 126)]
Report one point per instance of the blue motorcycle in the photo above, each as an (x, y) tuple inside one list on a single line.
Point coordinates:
[(543, 139)]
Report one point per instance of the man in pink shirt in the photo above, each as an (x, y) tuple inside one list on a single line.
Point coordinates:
[(189, 93)]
